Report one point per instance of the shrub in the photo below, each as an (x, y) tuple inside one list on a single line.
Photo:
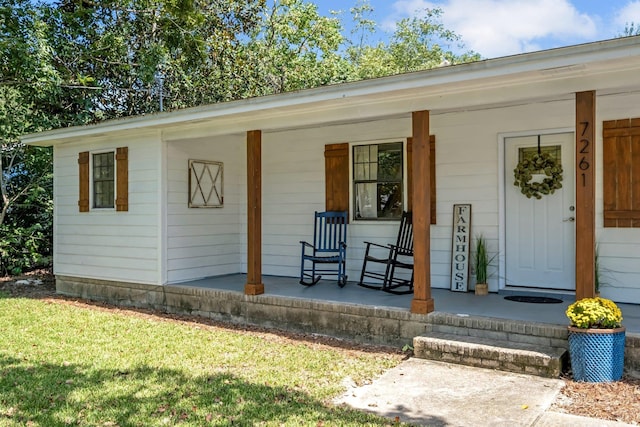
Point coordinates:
[(24, 248)]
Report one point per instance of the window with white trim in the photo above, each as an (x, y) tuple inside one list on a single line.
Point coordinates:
[(378, 181), (103, 173), (103, 177)]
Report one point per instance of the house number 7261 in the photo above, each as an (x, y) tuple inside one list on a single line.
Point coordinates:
[(585, 145)]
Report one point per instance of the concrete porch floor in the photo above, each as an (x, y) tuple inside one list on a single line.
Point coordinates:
[(457, 303)]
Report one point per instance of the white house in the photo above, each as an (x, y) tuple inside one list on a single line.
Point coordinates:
[(232, 187)]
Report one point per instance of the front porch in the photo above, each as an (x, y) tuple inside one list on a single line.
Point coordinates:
[(446, 301), (465, 303)]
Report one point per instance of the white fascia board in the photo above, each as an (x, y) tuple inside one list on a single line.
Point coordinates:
[(518, 69)]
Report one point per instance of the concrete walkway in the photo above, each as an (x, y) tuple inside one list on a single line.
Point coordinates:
[(424, 392)]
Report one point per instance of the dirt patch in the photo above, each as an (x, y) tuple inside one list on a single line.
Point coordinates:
[(616, 401), (36, 284)]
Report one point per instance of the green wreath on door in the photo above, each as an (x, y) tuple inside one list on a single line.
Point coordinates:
[(538, 162)]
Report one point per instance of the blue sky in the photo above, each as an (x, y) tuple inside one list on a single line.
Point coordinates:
[(496, 28)]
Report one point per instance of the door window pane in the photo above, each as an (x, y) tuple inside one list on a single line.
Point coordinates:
[(554, 151)]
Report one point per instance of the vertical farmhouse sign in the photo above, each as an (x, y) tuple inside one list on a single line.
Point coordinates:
[(460, 247)]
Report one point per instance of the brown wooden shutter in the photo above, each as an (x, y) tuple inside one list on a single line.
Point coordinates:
[(621, 172), (432, 148), (83, 189), (122, 175), (336, 162)]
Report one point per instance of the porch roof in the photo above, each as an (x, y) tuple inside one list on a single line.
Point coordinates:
[(608, 66)]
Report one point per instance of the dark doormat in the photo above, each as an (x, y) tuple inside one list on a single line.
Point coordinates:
[(533, 300)]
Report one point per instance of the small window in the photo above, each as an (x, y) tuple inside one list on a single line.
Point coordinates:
[(103, 174), (378, 181)]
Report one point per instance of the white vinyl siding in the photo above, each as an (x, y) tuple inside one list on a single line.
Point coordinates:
[(204, 242), (105, 244)]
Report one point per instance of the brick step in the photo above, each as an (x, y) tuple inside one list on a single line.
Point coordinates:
[(510, 356), (539, 334)]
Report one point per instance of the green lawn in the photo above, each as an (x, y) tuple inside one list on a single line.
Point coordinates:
[(78, 365)]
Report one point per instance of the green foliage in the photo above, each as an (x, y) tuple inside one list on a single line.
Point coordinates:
[(293, 48), (24, 248), (25, 191), (418, 43), (125, 46), (26, 231), (362, 30)]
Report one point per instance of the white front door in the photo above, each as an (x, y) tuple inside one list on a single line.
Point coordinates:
[(540, 233)]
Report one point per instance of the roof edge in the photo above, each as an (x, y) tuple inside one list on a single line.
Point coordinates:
[(550, 59)]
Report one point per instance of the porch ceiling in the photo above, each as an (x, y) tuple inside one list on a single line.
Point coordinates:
[(536, 77)]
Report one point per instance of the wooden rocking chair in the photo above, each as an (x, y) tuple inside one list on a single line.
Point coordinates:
[(396, 258), (329, 247)]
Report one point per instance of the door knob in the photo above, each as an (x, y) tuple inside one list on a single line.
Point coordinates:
[(570, 219)]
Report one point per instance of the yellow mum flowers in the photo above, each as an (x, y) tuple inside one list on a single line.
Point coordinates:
[(600, 313)]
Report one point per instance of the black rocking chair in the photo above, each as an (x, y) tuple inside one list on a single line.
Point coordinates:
[(329, 247), (395, 258)]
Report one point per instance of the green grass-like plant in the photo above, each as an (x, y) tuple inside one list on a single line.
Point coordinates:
[(481, 260), (66, 365)]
